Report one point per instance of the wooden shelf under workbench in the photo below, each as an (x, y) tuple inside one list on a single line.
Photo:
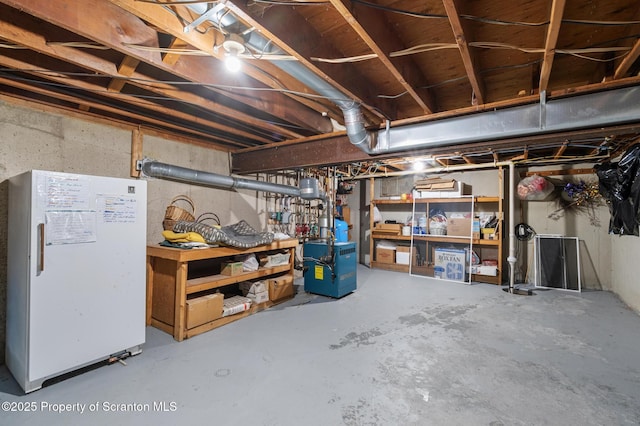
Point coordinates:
[(169, 285)]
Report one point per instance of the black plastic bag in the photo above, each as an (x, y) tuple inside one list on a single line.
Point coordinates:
[(619, 184)]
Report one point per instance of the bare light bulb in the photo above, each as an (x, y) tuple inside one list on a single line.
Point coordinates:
[(418, 165), (233, 46), (232, 62)]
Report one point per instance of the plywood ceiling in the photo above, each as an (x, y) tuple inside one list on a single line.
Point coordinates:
[(157, 65)]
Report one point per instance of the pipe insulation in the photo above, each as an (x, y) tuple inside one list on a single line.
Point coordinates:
[(512, 232), (182, 174)]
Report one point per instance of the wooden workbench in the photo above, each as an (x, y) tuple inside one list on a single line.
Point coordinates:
[(169, 282)]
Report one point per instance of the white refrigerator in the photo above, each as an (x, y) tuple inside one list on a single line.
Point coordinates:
[(75, 274)]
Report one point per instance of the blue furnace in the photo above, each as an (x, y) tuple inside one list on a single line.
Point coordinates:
[(319, 279)]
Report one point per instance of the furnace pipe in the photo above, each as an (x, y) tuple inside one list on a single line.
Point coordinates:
[(182, 174)]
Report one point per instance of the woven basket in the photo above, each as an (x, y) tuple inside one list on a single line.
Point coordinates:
[(208, 216), (175, 213)]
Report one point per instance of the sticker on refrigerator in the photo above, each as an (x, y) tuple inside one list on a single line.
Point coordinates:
[(70, 227)]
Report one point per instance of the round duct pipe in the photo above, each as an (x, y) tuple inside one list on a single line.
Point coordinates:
[(182, 174)]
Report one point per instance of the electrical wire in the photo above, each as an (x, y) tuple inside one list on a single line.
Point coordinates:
[(173, 3), (293, 2), (155, 98), (181, 83), (12, 46), (489, 20), (409, 13)]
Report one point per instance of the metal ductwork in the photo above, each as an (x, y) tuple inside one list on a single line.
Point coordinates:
[(602, 109), (182, 174), (354, 120), (617, 106)]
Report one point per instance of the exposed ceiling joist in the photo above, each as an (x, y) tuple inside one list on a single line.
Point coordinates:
[(551, 41), (463, 45), (380, 47), (397, 63)]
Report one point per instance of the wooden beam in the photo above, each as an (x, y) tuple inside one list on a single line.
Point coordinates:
[(628, 61), (336, 149), (463, 46), (299, 110), (136, 151), (20, 29), (442, 161), (103, 110), (382, 56), (126, 68), (560, 150), (132, 31), (555, 21), (466, 158), (54, 106), (171, 58), (275, 24), (561, 172)]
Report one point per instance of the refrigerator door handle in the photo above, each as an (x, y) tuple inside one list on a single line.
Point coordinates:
[(40, 248)]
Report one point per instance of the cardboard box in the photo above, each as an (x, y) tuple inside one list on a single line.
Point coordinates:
[(484, 270), (231, 268), (385, 255), (280, 287), (488, 254), (441, 188), (388, 228), (405, 254), (204, 309), (459, 227), (450, 264), (458, 190), (489, 234), (475, 232)]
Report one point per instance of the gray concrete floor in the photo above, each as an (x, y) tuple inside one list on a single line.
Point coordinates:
[(401, 350)]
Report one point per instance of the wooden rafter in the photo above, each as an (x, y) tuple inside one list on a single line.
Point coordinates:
[(444, 162), (262, 71), (171, 58), (381, 54), (463, 46), (555, 21), (87, 61), (103, 33), (561, 149), (242, 14), (101, 109), (466, 158), (628, 61), (126, 68)]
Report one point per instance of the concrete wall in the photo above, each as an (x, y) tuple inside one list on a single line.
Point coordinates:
[(37, 139), (625, 281), (607, 261)]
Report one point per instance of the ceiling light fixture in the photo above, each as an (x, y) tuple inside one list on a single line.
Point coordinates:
[(234, 47)]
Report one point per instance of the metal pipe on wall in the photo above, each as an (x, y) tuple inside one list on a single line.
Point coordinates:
[(182, 174), (512, 233)]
